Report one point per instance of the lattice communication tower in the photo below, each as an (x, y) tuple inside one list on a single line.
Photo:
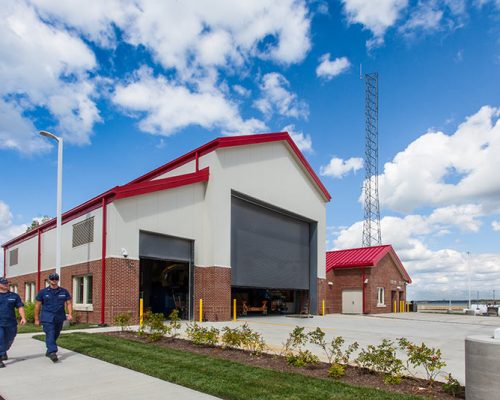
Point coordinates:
[(371, 226)]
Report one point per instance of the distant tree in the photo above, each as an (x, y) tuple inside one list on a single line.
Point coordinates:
[(37, 222)]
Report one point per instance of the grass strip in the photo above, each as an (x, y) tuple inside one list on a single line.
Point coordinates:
[(221, 378), (32, 328)]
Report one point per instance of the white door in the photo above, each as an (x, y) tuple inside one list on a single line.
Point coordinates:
[(352, 302)]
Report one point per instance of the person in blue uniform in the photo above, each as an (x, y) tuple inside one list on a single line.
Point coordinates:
[(9, 301), (52, 300)]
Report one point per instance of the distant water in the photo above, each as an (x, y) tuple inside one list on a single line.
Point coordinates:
[(462, 303)]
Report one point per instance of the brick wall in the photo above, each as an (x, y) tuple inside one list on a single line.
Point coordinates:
[(22, 279), (321, 291), (213, 285)]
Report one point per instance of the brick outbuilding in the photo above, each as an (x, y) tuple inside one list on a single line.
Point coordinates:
[(240, 218), (368, 280)]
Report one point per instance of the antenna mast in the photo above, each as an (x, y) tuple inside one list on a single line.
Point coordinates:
[(371, 225)]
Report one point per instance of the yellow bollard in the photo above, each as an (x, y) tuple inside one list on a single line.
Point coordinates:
[(201, 310), (323, 307), (141, 312), (234, 310), (395, 306)]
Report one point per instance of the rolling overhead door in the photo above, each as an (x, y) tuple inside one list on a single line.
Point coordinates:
[(269, 249), (161, 247)]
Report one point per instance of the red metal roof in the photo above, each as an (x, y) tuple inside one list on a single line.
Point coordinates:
[(143, 184), (362, 257)]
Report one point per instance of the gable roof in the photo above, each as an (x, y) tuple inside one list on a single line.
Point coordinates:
[(145, 183), (363, 257)]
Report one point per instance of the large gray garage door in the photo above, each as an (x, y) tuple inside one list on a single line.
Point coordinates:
[(154, 245), (268, 249)]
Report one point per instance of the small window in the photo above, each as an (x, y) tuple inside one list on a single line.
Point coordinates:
[(83, 232), (13, 288), (13, 257), (29, 291), (82, 291), (47, 283), (380, 296)]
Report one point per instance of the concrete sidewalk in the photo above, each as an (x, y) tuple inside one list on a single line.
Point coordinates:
[(30, 375)]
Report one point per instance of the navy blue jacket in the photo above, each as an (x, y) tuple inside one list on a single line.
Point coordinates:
[(9, 301), (53, 301)]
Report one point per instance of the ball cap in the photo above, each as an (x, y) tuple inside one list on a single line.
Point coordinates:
[(54, 277), (3, 281)]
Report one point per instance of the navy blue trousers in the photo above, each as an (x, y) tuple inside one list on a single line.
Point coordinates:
[(7, 335), (52, 331)]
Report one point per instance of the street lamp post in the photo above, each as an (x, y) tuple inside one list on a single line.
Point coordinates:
[(59, 141), (468, 277)]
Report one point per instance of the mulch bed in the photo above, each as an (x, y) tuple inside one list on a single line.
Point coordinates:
[(354, 376)]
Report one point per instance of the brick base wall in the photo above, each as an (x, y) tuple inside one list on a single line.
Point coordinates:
[(321, 291), (213, 285)]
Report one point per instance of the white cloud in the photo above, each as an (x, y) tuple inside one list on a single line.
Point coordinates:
[(8, 229), (303, 142), (329, 69), (168, 106), (435, 273), (438, 169), (276, 98), (495, 225), (42, 66), (338, 168), (375, 15)]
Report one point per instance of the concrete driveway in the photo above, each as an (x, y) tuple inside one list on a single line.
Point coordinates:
[(446, 332)]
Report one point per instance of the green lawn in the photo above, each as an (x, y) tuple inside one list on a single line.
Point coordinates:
[(221, 378), (31, 328)]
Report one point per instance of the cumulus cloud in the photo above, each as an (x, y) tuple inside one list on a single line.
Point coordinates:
[(330, 69), (8, 229), (303, 142), (435, 273), (375, 15), (276, 98), (338, 168), (438, 169), (41, 66), (168, 106), (495, 225)]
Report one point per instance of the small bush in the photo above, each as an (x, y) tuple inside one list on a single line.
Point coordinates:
[(231, 337), (429, 358), (123, 321), (295, 341), (334, 350), (29, 311), (336, 371), (302, 358), (244, 338), (203, 336), (383, 359), (155, 325), (453, 387), (174, 323)]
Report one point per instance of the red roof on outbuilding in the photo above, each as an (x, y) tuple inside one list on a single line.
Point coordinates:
[(363, 257)]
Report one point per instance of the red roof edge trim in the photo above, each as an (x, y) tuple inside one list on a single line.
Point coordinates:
[(136, 189), (400, 265), (231, 141)]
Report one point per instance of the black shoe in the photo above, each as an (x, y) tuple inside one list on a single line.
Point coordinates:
[(2, 365), (53, 357), (5, 357)]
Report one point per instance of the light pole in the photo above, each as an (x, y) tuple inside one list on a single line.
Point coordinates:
[(59, 141), (468, 276)]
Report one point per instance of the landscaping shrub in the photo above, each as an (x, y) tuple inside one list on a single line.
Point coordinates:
[(383, 359), (203, 336), (429, 358), (302, 358), (334, 350), (174, 324), (453, 387), (336, 371), (123, 321), (154, 323), (29, 310), (244, 338), (293, 349)]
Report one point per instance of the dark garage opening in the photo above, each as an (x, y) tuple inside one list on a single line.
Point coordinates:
[(165, 286), (166, 274), (262, 301)]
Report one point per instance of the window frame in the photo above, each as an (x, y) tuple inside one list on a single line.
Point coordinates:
[(14, 288), (29, 292), (381, 290), (16, 252), (79, 281)]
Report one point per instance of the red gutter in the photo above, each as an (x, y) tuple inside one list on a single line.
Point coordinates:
[(103, 259), (197, 161), (363, 277), (5, 262), (39, 260)]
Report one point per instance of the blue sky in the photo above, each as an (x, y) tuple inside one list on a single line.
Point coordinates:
[(133, 84)]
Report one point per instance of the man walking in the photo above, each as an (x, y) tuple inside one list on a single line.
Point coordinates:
[(52, 301), (9, 301)]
